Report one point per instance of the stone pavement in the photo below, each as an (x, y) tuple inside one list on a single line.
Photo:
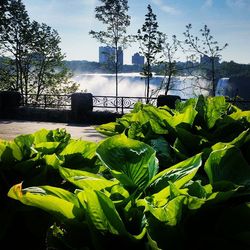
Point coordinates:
[(9, 129)]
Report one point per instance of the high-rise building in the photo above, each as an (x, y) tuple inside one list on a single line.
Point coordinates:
[(120, 56), (207, 60), (137, 59), (107, 54)]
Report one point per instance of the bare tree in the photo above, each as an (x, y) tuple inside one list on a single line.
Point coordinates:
[(169, 50), (208, 50)]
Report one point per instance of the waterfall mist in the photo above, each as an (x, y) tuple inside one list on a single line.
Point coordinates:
[(133, 85)]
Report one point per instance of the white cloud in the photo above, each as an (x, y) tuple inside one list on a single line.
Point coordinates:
[(166, 8)]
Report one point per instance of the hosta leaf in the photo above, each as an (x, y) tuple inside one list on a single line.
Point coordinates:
[(102, 212), (108, 129), (187, 115), (241, 115), (47, 147), (211, 109), (52, 160), (181, 172), (79, 153), (163, 151), (84, 179), (85, 148), (132, 162), (170, 213), (25, 143), (155, 117), (57, 201), (227, 164), (9, 152), (41, 136)]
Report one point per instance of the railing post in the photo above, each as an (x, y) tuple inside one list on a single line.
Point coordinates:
[(122, 106), (45, 102)]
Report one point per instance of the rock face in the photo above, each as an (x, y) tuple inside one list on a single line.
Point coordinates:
[(234, 86)]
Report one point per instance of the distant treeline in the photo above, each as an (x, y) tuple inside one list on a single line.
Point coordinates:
[(224, 69)]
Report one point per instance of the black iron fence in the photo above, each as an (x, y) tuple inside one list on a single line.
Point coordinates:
[(119, 104), (47, 101)]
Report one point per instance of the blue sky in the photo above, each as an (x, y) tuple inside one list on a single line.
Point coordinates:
[(228, 20)]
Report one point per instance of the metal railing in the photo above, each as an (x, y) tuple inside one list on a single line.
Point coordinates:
[(119, 104), (47, 101)]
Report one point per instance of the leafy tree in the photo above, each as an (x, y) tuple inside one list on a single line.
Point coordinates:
[(33, 61), (113, 14), (14, 38), (150, 40), (208, 50), (233, 69)]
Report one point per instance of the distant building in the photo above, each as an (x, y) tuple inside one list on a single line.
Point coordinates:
[(206, 60), (107, 54), (120, 56), (137, 59)]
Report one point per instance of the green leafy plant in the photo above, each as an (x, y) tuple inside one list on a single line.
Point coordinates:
[(166, 179), (177, 134), (136, 200)]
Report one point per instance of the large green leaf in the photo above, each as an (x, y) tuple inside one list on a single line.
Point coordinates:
[(52, 160), (57, 201), (85, 148), (155, 117), (211, 109), (192, 142), (108, 129), (102, 212), (238, 142), (47, 147), (164, 152), (9, 152), (227, 164), (181, 172), (79, 154), (240, 115), (25, 143), (41, 136), (170, 213), (186, 115), (132, 162), (84, 179)]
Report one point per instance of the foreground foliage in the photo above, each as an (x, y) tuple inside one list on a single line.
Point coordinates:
[(128, 190)]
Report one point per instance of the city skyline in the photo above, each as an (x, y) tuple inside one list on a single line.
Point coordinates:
[(228, 20)]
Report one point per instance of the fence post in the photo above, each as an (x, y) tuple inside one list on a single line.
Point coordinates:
[(9, 102), (45, 101), (122, 106), (81, 105)]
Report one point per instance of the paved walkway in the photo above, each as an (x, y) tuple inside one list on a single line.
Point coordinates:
[(9, 129)]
